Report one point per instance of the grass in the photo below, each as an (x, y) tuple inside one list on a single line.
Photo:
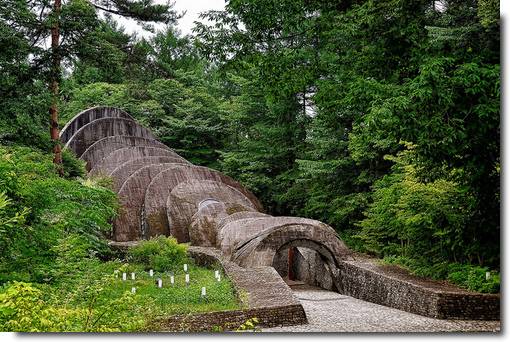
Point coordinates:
[(105, 302), (179, 298)]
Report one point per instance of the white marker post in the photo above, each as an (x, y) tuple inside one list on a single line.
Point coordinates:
[(124, 276), (172, 280), (133, 275), (160, 283), (203, 292), (186, 268), (187, 279), (219, 277), (151, 273), (216, 274), (133, 290), (487, 275)]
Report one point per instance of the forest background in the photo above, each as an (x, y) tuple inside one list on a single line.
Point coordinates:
[(380, 118)]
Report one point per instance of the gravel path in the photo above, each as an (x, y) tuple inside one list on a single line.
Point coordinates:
[(332, 312)]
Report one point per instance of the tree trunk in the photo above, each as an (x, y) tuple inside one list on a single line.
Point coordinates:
[(54, 81)]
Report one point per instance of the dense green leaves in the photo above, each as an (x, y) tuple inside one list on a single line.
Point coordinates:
[(305, 102), (350, 80)]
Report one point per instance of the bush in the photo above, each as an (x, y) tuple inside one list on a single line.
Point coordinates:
[(474, 278), (73, 167), (22, 308), (425, 220), (159, 253), (467, 276), (40, 210)]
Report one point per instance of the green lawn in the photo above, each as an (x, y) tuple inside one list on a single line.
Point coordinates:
[(88, 296)]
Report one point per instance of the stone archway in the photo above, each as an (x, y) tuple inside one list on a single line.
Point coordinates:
[(260, 249), (307, 262)]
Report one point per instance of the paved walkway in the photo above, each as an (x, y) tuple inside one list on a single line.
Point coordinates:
[(332, 312)]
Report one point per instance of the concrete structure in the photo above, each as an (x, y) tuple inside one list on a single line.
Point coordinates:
[(163, 194)]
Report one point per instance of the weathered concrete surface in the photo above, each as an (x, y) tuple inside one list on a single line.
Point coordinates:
[(88, 115), (101, 128), (122, 172), (128, 224), (255, 241), (162, 185), (185, 198), (332, 312), (226, 215), (234, 216), (260, 250), (206, 222), (122, 155), (103, 147)]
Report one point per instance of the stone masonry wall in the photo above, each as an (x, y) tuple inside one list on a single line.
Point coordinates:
[(262, 292), (231, 320), (366, 280)]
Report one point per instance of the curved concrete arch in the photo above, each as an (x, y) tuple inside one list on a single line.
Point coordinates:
[(162, 185), (122, 155), (128, 224), (234, 216), (238, 231), (89, 115), (100, 128), (204, 227), (184, 200), (261, 249), (122, 172), (103, 147)]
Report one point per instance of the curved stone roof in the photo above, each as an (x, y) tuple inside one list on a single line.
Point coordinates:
[(103, 147), (162, 185), (101, 128), (129, 224), (122, 172), (162, 193), (122, 155), (88, 115), (261, 249), (184, 200)]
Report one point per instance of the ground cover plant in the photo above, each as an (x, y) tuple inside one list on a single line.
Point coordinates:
[(379, 118), (57, 272)]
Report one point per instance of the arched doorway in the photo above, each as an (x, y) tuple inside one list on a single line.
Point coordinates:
[(304, 261)]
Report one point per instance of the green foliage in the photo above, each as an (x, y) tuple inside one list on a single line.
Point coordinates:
[(364, 76), (42, 210), (23, 309), (249, 325), (159, 253), (73, 167), (474, 278), (467, 276), (427, 221)]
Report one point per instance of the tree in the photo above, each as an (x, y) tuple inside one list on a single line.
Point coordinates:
[(67, 22)]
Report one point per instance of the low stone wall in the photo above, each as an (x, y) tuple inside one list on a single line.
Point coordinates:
[(393, 287), (262, 292), (232, 320)]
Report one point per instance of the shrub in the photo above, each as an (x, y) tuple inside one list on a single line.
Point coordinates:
[(159, 253), (474, 278), (22, 308), (42, 210), (425, 220), (73, 167)]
